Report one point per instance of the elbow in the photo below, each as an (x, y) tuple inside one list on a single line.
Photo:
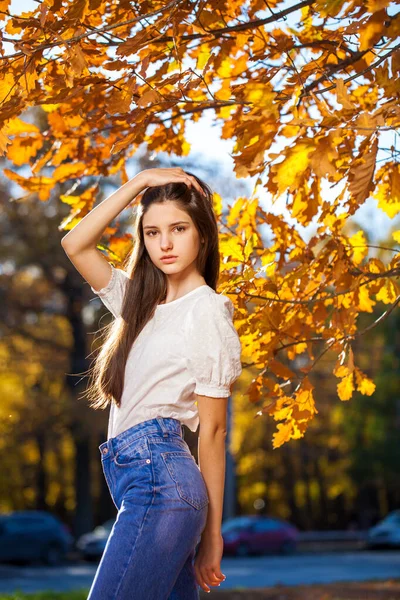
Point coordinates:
[(64, 242), (67, 246), (213, 431)]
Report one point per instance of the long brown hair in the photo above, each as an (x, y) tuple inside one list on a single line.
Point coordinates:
[(147, 285)]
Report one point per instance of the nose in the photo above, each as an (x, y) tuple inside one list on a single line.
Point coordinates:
[(165, 244)]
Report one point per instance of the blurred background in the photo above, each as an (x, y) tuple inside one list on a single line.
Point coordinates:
[(324, 508), (331, 487)]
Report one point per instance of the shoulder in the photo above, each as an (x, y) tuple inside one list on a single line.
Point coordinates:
[(213, 303), (211, 311)]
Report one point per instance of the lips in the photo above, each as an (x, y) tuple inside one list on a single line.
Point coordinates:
[(169, 259)]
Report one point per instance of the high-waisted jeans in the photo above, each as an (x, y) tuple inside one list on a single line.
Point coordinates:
[(162, 504)]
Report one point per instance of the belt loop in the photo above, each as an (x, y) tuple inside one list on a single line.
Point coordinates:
[(182, 431), (162, 426)]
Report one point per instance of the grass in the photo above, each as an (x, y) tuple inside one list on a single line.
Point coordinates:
[(366, 590), (75, 595)]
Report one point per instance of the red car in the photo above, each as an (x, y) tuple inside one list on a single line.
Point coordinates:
[(255, 534)]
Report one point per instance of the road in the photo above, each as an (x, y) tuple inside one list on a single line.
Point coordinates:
[(263, 571)]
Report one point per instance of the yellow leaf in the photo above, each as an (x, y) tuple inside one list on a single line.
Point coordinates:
[(224, 93), (364, 385), (41, 185), (388, 191), (341, 94), (69, 170), (287, 173), (4, 142), (224, 69), (23, 148), (375, 5), (217, 203), (372, 31), (261, 95), (365, 303), (305, 205), (250, 243), (329, 8), (359, 246), (16, 126), (346, 387), (7, 83), (396, 236), (387, 294), (283, 434), (232, 248), (202, 57), (282, 413), (375, 265), (305, 404)]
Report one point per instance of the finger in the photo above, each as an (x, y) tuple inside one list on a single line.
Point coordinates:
[(198, 187), (190, 181), (211, 578), (203, 585), (205, 576)]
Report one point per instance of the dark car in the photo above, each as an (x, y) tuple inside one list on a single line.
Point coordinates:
[(91, 545), (386, 533), (255, 534), (33, 535)]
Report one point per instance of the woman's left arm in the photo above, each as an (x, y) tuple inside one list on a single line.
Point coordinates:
[(211, 456)]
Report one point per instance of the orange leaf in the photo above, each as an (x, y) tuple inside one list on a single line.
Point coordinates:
[(361, 175), (283, 435)]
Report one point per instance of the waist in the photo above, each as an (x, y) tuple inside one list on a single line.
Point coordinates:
[(163, 426)]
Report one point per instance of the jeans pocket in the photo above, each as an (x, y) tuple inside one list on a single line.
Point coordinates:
[(136, 453), (187, 477)]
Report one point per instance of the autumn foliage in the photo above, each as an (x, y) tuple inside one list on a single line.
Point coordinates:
[(310, 95)]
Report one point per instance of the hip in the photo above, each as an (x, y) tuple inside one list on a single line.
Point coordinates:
[(151, 464)]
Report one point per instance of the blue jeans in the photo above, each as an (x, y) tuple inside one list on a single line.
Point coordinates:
[(162, 504)]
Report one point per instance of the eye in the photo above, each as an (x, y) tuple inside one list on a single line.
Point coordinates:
[(180, 227)]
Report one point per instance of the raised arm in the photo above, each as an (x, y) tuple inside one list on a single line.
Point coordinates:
[(80, 243)]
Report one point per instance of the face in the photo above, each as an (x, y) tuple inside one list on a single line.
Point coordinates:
[(169, 230)]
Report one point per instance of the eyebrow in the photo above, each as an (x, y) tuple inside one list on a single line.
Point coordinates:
[(171, 224)]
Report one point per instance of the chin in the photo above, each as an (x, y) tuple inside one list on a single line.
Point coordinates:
[(171, 268)]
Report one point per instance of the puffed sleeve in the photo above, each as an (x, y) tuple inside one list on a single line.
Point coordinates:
[(112, 294), (212, 346)]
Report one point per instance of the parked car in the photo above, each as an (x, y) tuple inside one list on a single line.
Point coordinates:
[(33, 535), (386, 532), (256, 534), (91, 545)]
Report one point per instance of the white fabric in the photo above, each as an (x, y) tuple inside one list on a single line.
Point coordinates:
[(189, 347)]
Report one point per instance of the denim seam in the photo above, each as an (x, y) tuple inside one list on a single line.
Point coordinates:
[(129, 443), (189, 500), (140, 531), (161, 441), (133, 462)]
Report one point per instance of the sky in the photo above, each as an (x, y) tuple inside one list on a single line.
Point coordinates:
[(207, 145)]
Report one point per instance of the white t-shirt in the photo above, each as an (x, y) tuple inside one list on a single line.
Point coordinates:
[(189, 347)]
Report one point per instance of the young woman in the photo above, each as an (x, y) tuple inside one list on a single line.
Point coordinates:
[(170, 358)]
